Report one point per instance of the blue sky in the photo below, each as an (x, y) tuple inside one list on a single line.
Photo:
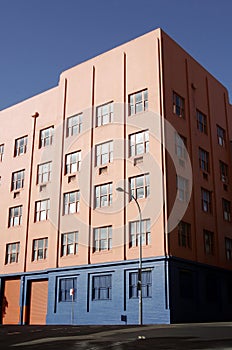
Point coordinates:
[(41, 38)]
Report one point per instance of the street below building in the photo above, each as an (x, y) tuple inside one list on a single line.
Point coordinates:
[(187, 336)]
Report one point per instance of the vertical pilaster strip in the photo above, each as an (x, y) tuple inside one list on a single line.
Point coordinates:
[(191, 158), (125, 148), (91, 166), (213, 173), (163, 158), (61, 173), (35, 116)]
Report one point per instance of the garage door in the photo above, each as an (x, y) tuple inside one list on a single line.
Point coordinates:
[(38, 302), (10, 302)]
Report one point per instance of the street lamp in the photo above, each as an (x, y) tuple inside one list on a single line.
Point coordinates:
[(139, 286)]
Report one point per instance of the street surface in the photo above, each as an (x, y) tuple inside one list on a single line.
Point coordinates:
[(178, 337)]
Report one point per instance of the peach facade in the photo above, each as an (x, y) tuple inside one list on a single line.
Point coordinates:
[(178, 88)]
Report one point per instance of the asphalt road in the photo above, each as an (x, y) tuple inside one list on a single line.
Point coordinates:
[(178, 337)]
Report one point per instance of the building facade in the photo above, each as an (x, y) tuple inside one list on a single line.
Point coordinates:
[(146, 117)]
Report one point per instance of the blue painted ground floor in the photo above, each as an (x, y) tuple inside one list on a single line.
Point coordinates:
[(173, 291)]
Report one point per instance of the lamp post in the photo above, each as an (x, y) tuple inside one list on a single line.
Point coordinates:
[(139, 285)]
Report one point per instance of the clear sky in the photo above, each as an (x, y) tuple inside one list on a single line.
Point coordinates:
[(41, 38)]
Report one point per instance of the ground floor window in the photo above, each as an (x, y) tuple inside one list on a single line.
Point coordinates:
[(146, 284), (102, 287), (67, 289)]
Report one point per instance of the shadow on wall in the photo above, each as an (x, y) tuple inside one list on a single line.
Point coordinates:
[(4, 306)]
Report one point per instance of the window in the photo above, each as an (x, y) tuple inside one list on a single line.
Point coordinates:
[(226, 210), (39, 250), (186, 284), (1, 152), (72, 162), (139, 143), (206, 200), (178, 105), (42, 209), (211, 288), (46, 137), (17, 181), (182, 188), (184, 234), (104, 114), (71, 202), (134, 232), (208, 242), (67, 285), (104, 153), (74, 125), (103, 195), (12, 253), (204, 160), (221, 136), (228, 246), (20, 146), (201, 122), (69, 243), (15, 216), (140, 186), (180, 146), (138, 102), (102, 287), (102, 238), (44, 173), (146, 284), (223, 171)]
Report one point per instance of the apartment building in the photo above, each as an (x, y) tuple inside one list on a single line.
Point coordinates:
[(146, 117)]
